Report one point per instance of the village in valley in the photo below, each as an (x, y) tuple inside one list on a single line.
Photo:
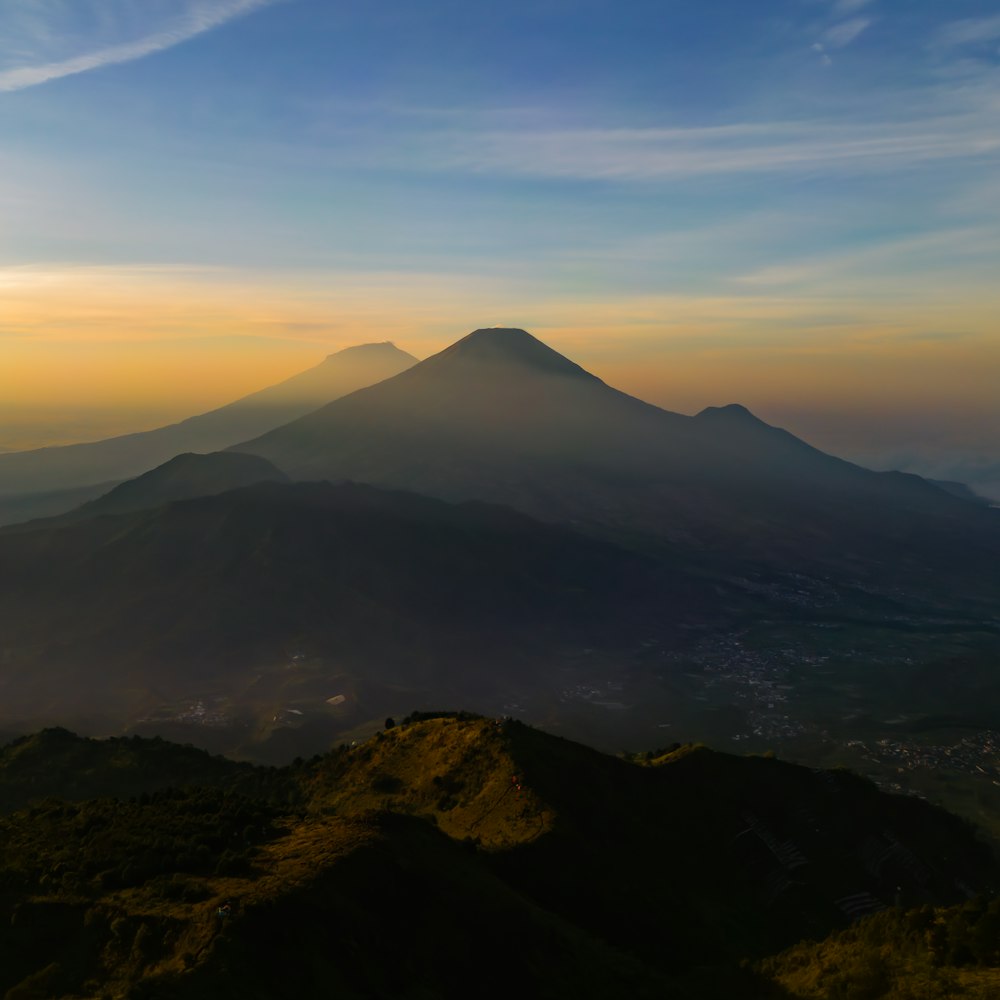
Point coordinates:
[(732, 690)]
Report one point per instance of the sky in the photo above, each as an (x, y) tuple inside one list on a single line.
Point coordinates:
[(793, 204)]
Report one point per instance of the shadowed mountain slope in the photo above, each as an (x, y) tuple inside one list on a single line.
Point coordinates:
[(23, 507), (376, 592), (61, 468), (960, 490), (444, 849), (182, 478), (55, 763), (499, 416), (735, 855)]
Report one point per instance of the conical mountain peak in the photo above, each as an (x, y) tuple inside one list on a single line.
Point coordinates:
[(384, 349), (509, 347)]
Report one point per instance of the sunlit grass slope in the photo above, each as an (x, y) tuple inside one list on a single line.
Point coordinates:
[(925, 954), (445, 855)]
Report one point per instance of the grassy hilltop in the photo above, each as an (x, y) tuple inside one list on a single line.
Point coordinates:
[(454, 850)]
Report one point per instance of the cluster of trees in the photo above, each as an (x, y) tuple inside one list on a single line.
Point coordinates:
[(462, 716), (110, 843), (921, 954), (661, 890)]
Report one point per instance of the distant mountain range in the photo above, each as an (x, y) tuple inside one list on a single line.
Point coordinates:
[(494, 528), (47, 481), (501, 417), (497, 527), (452, 851)]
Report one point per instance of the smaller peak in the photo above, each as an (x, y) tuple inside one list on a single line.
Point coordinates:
[(731, 411), (48, 739), (57, 734), (363, 351)]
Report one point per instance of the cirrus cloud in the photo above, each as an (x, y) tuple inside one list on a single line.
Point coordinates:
[(39, 29)]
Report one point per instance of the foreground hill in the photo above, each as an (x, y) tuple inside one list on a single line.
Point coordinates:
[(501, 417), (920, 954), (184, 477), (44, 482), (57, 764), (448, 849), (258, 606)]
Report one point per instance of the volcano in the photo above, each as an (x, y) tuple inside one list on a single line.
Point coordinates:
[(48, 481), (499, 416)]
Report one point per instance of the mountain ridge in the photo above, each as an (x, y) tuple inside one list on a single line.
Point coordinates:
[(53, 470), (446, 844), (382, 593), (184, 477), (500, 417)]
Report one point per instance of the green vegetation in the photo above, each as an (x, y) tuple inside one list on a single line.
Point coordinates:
[(451, 850), (922, 954)]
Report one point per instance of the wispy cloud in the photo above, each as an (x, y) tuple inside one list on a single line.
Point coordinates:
[(841, 35), (970, 31), (849, 6), (192, 22), (658, 153), (881, 258)]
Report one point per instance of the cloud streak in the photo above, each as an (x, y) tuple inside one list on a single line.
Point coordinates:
[(195, 22), (970, 31), (880, 259), (656, 153), (843, 34), (849, 6)]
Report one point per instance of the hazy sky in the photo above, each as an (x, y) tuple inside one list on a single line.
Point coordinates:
[(790, 203)]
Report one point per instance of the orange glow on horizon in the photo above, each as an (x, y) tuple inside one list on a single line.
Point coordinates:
[(160, 344)]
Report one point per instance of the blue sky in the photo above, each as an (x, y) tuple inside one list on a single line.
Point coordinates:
[(795, 203)]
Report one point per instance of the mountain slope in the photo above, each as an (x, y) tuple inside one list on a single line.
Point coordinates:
[(930, 954), (726, 840), (55, 763), (278, 595), (553, 870), (182, 478), (80, 465), (501, 417)]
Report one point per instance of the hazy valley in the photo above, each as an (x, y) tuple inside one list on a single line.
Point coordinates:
[(705, 576)]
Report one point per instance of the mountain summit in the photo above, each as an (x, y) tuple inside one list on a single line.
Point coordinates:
[(381, 348), (101, 464), (498, 407), (507, 346), (501, 417), (731, 412)]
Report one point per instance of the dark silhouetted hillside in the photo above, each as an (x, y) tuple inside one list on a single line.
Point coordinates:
[(500, 417), (277, 595), (55, 763), (48, 473), (183, 478)]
